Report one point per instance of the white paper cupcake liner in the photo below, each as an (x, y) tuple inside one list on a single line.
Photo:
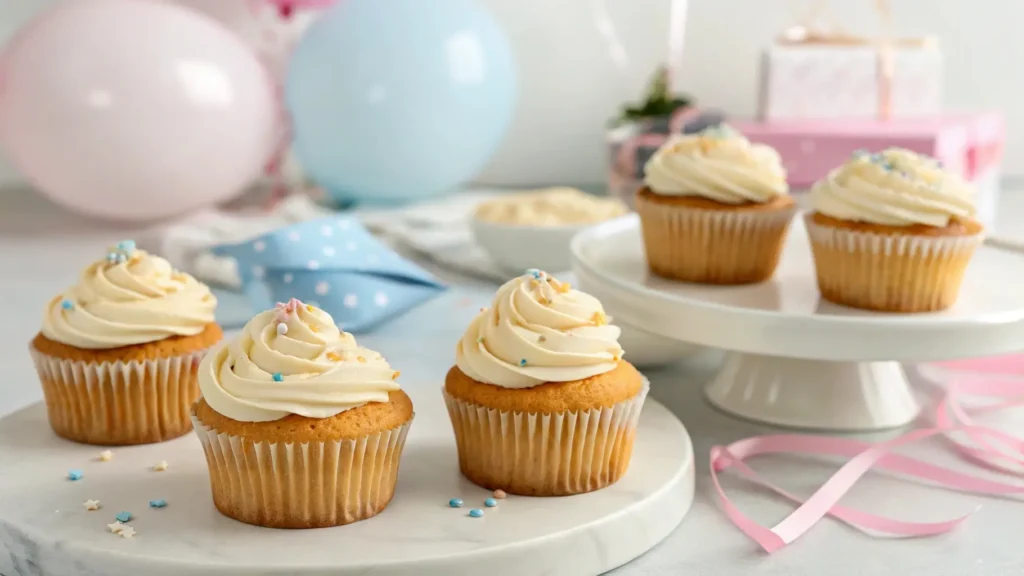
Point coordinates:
[(119, 403), (538, 454), (302, 485), (889, 272), (713, 246)]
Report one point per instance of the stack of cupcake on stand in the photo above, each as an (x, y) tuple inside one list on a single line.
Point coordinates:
[(886, 266)]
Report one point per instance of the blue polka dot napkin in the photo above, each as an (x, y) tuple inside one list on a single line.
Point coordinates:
[(332, 263)]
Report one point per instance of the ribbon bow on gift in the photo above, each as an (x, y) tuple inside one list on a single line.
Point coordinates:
[(334, 264), (812, 33)]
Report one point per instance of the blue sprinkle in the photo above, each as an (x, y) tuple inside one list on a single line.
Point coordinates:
[(126, 245), (522, 362), (67, 305), (123, 516), (490, 502), (75, 475), (278, 377), (476, 513), (157, 503), (455, 503), (112, 257)]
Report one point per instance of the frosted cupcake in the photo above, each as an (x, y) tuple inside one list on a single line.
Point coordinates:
[(541, 401), (714, 209), (893, 232), (301, 427), (117, 353)]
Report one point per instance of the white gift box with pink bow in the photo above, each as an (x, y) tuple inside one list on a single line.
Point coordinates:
[(821, 76)]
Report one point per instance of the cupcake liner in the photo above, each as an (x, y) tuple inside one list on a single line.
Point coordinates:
[(119, 403), (539, 454), (889, 272), (713, 246), (302, 485)]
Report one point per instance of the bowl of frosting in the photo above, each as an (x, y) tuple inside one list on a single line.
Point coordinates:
[(532, 229)]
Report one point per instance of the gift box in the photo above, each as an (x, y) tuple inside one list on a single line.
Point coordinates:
[(968, 144), (630, 145), (851, 78)]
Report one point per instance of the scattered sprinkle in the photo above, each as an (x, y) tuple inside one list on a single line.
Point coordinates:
[(277, 377), (560, 287), (282, 328), (126, 246), (91, 504), (544, 301), (483, 309), (334, 356), (75, 475), (123, 516), (500, 494), (157, 503), (480, 340), (160, 466), (522, 362), (537, 274), (455, 503), (476, 513), (112, 257), (127, 532), (599, 318), (360, 359), (67, 304), (106, 456), (313, 328), (396, 374), (309, 307), (490, 502), (116, 527), (541, 338), (860, 153)]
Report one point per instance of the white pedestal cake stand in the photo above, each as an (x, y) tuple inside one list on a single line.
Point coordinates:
[(797, 360), (46, 531)]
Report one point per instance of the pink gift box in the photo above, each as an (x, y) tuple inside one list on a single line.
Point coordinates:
[(970, 144)]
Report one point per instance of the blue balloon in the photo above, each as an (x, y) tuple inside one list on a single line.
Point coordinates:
[(394, 100)]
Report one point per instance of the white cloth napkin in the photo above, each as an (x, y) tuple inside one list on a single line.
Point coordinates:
[(437, 231)]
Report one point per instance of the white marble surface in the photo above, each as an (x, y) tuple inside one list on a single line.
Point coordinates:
[(40, 250)]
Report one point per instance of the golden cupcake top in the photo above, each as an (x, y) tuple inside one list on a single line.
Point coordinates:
[(718, 164), (293, 360), (538, 330), (894, 187), (129, 297), (550, 207)]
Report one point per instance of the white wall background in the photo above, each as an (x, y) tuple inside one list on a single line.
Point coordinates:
[(564, 45)]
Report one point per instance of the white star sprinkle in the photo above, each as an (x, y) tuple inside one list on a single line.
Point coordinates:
[(91, 504), (380, 299), (322, 288), (116, 527), (160, 466), (127, 532), (350, 301), (106, 456)]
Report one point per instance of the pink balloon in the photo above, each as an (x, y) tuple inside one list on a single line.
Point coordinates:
[(134, 109)]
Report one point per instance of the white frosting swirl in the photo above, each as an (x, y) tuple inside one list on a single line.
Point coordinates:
[(130, 298), (313, 369), (718, 164), (895, 187), (538, 330)]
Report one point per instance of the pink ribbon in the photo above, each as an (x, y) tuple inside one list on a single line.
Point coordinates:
[(992, 378)]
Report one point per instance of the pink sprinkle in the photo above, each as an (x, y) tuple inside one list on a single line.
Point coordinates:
[(288, 308), (499, 494)]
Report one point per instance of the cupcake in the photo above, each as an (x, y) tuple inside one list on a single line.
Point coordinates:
[(301, 427), (714, 209), (892, 232), (541, 401), (118, 352)]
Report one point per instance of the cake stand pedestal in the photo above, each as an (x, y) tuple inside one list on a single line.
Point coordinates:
[(46, 531), (797, 360)]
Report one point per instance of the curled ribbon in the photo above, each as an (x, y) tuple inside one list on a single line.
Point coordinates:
[(988, 446)]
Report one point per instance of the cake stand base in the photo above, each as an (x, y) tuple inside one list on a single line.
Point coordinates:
[(816, 394), (46, 531)]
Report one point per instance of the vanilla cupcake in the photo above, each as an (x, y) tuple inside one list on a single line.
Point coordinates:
[(541, 401), (714, 209), (892, 232), (117, 353), (302, 428)]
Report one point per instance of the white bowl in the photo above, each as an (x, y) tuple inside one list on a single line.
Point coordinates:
[(515, 248)]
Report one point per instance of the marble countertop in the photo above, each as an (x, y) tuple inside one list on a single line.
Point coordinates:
[(42, 248)]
